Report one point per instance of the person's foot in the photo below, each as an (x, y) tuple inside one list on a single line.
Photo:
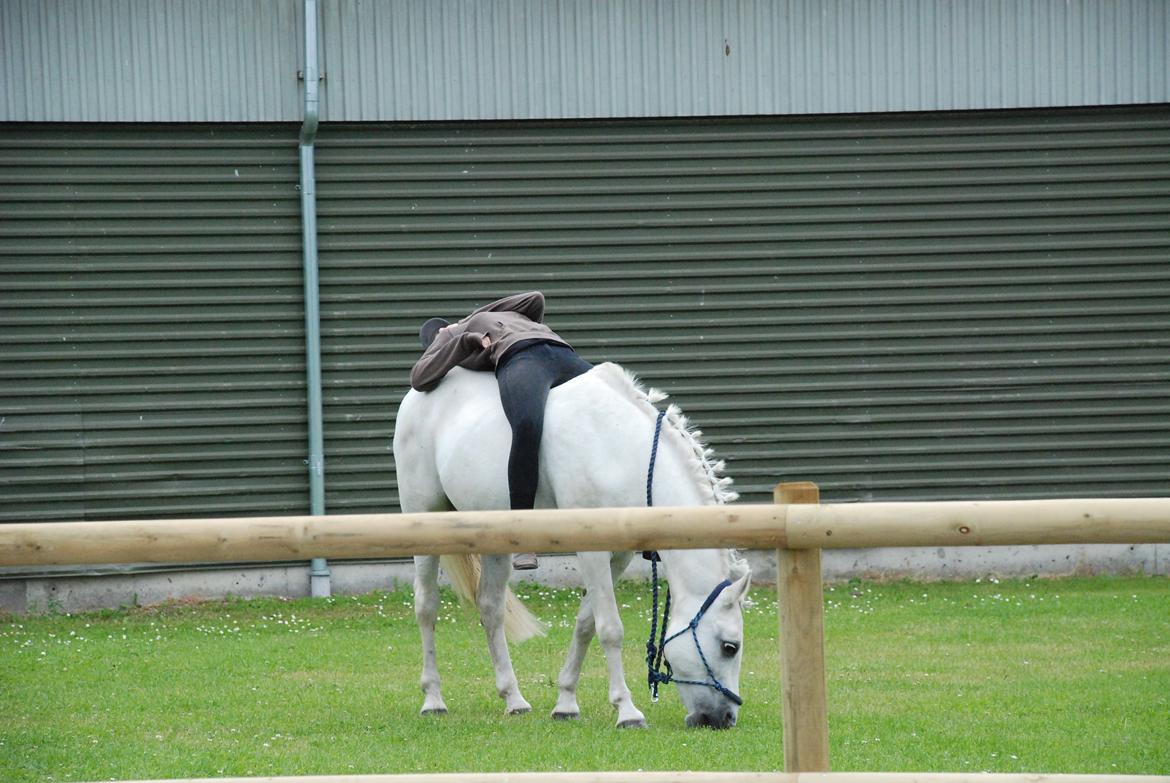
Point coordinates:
[(524, 562)]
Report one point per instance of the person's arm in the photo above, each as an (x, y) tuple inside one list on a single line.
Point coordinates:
[(530, 305), (441, 356)]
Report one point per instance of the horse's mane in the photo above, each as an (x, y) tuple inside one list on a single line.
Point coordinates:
[(706, 470)]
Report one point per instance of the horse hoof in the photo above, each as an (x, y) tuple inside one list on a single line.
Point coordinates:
[(519, 710), (437, 711), (634, 724), (566, 715)]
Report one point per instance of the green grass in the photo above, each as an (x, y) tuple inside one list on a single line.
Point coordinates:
[(1041, 676)]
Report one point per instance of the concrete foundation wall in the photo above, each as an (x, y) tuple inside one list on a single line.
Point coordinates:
[(85, 593)]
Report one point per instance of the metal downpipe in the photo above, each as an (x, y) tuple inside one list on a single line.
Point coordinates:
[(319, 577)]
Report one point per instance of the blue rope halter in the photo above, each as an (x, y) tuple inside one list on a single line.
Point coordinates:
[(654, 655), (655, 660)]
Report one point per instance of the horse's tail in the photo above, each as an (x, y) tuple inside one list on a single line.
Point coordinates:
[(519, 623)]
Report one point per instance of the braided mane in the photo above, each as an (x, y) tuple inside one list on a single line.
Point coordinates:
[(707, 471)]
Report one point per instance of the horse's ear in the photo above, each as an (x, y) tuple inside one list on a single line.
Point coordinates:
[(737, 592)]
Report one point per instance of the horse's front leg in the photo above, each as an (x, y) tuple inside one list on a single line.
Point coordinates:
[(570, 675), (426, 611), (595, 573), (493, 583), (583, 631)]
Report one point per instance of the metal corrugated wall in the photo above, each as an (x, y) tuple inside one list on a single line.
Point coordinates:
[(151, 311), (413, 60), (962, 305), (896, 307), (526, 59), (151, 61)]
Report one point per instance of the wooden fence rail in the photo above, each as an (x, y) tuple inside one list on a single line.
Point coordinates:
[(797, 526), (785, 525), (690, 777)]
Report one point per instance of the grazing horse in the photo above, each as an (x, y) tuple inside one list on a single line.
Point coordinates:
[(451, 452)]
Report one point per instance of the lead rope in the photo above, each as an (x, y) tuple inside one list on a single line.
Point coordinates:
[(654, 659), (654, 675), (653, 459)]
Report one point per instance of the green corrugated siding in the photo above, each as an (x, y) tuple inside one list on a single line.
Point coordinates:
[(945, 306), (151, 313)]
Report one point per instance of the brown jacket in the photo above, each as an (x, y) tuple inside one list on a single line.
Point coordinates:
[(506, 322)]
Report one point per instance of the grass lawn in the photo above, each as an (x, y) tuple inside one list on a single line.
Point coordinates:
[(1039, 676)]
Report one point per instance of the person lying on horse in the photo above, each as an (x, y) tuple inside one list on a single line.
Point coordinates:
[(510, 338)]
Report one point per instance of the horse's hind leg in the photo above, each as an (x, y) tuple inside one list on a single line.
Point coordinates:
[(426, 611), (493, 582)]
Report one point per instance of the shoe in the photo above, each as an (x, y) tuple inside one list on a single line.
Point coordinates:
[(524, 562)]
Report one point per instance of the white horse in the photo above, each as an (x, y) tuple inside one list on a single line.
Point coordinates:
[(451, 451)]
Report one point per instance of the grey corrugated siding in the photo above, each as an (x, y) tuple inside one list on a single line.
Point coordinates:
[(414, 60), (151, 312), (947, 306), (150, 61), (409, 60)]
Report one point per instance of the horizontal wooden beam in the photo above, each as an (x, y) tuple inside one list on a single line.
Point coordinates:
[(390, 535), (979, 523), (747, 526), (692, 777)]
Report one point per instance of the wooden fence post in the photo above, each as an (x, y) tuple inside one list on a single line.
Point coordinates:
[(802, 646)]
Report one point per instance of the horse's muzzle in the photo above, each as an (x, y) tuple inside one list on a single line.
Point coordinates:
[(723, 719)]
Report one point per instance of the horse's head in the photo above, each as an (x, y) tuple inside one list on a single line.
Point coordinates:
[(705, 651)]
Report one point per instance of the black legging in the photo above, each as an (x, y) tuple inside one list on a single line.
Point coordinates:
[(525, 376)]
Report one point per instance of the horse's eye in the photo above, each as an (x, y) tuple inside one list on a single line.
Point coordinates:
[(730, 649)]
